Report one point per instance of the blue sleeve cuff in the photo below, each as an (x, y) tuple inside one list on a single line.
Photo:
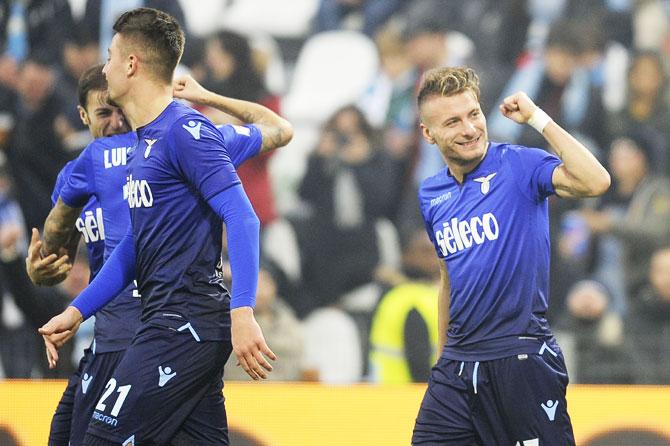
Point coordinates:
[(117, 272), (242, 230)]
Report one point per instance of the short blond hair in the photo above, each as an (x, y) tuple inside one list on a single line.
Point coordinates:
[(448, 81)]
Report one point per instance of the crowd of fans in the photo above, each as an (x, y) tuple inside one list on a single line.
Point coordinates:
[(348, 275)]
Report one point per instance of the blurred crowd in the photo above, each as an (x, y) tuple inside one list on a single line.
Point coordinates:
[(347, 290)]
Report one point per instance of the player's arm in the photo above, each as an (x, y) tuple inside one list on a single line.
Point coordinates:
[(60, 234), (275, 130), (443, 302), (242, 232), (114, 276), (580, 174)]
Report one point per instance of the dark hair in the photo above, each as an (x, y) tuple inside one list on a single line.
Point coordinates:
[(565, 34), (448, 81), (363, 124), (159, 36), (93, 79), (245, 81)]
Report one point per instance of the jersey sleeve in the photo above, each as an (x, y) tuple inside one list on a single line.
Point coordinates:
[(428, 224), (242, 142), (201, 156), (60, 181), (533, 170), (80, 185)]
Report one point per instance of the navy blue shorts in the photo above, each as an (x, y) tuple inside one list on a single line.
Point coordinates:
[(82, 393), (519, 400), (166, 386), (59, 433)]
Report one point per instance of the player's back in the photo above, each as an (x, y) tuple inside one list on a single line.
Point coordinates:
[(492, 230)]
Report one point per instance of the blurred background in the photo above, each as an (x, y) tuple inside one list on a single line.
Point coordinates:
[(348, 288)]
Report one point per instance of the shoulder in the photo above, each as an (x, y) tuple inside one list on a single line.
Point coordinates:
[(521, 154), (109, 142), (435, 189), (440, 179), (187, 124)]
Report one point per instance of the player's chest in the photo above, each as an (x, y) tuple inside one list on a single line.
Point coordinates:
[(471, 214), (150, 159)]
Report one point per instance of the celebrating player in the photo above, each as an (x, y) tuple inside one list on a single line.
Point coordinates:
[(501, 379), (99, 175), (180, 185)]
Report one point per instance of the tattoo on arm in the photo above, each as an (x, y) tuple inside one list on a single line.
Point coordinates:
[(273, 137), (60, 233)]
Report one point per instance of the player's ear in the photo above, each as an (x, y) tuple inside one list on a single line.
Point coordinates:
[(83, 115), (133, 63), (425, 132)]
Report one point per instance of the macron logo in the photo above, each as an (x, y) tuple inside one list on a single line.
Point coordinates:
[(485, 182), (85, 381), (550, 409), (193, 129), (165, 375)]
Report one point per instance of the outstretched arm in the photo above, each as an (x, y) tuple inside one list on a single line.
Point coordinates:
[(117, 272), (580, 175), (276, 131)]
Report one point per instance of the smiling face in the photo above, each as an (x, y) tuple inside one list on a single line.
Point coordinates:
[(102, 118), (456, 124)]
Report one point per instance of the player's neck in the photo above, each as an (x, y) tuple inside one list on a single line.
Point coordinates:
[(459, 171), (145, 103)]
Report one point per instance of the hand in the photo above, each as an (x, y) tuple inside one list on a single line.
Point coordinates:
[(249, 344), (52, 344), (58, 331), (10, 234), (518, 107), (598, 222), (185, 87), (46, 271)]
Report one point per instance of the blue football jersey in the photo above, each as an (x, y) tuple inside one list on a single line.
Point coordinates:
[(99, 173), (181, 160), (493, 233), (89, 224), (98, 177)]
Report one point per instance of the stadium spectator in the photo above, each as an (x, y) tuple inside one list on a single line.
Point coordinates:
[(559, 84), (633, 218), (35, 153), (20, 350), (346, 187), (648, 324), (597, 332), (339, 14), (80, 53), (231, 72), (281, 329), (33, 27), (403, 332), (646, 108)]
